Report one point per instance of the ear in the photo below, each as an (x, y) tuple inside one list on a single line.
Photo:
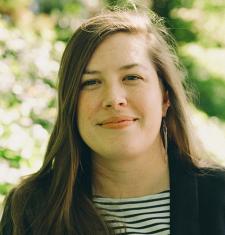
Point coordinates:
[(166, 102)]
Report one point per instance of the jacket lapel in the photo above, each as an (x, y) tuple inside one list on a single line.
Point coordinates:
[(184, 196)]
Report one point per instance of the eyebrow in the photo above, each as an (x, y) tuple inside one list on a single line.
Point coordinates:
[(124, 67)]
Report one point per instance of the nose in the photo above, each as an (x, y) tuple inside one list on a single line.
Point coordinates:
[(114, 98)]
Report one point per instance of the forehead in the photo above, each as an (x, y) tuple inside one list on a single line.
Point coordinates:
[(118, 49)]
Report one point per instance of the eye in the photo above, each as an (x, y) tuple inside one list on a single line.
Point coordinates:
[(89, 83), (132, 77)]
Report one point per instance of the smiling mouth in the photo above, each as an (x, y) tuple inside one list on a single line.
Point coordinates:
[(119, 124)]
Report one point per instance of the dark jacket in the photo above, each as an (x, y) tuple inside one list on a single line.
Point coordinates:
[(197, 198)]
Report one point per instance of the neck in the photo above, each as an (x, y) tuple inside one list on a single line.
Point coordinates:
[(137, 177)]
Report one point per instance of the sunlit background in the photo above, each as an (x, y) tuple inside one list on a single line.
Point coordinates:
[(33, 35)]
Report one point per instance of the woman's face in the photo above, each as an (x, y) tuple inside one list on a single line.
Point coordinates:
[(120, 86)]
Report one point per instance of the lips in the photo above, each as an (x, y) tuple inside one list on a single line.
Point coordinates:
[(117, 119)]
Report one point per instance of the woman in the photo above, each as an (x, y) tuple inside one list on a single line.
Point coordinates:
[(121, 158)]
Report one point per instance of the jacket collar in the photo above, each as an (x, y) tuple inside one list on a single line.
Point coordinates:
[(184, 195)]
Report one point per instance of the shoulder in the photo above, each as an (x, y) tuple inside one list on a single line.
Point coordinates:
[(211, 200), (211, 184), (211, 176), (22, 204)]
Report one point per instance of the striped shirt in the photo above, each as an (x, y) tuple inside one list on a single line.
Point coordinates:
[(141, 215)]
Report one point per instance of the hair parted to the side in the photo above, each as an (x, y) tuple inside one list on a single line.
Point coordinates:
[(57, 199)]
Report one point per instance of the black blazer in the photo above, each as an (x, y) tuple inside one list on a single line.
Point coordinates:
[(197, 198)]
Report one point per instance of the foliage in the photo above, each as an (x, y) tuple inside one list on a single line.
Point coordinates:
[(13, 158), (199, 35), (65, 6), (4, 188), (210, 86), (29, 62)]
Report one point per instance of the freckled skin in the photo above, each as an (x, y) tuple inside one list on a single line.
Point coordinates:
[(115, 95)]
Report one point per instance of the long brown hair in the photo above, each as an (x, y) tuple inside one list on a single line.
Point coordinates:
[(58, 198)]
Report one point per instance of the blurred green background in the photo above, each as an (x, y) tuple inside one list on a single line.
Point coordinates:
[(33, 34)]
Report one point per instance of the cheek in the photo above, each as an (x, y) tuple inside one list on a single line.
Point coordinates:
[(149, 100), (86, 108)]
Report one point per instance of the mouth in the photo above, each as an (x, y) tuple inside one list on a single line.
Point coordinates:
[(121, 124)]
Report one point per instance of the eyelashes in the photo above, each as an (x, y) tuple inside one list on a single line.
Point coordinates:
[(95, 82), (133, 76), (89, 82)]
